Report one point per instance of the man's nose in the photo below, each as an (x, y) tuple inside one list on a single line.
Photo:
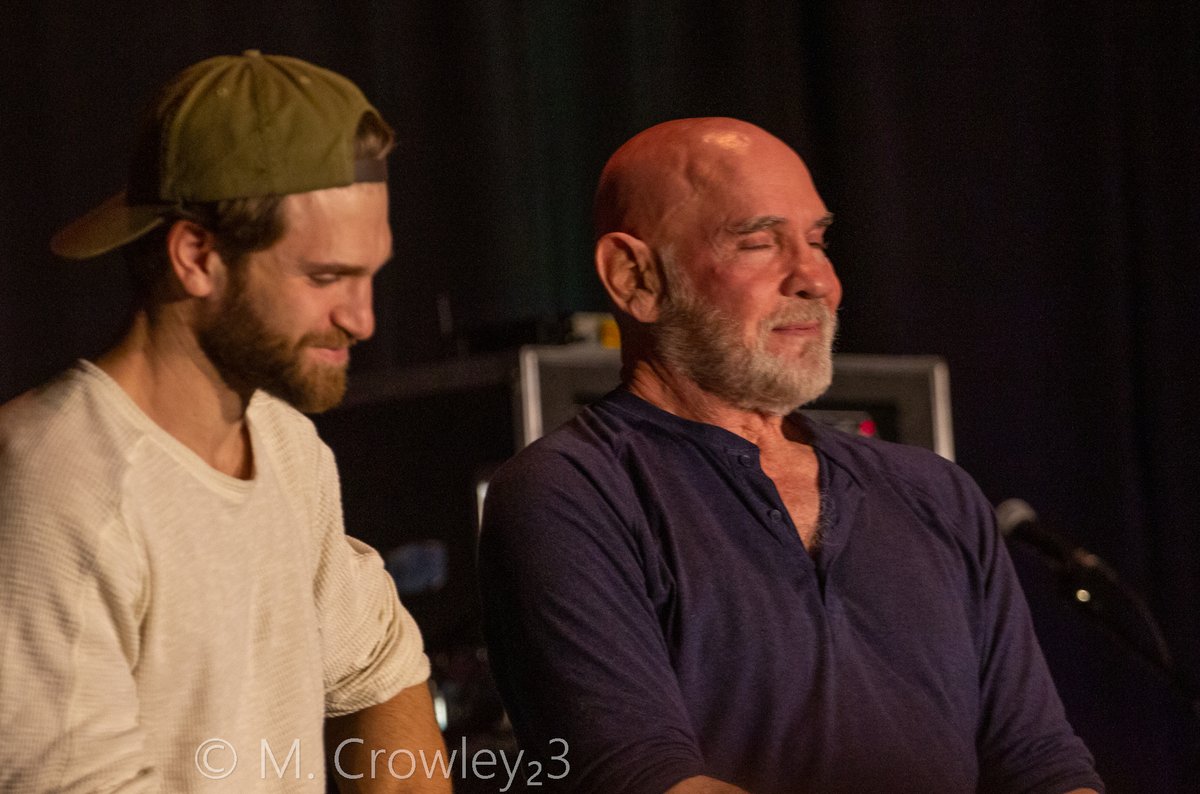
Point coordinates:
[(354, 314), (811, 274)]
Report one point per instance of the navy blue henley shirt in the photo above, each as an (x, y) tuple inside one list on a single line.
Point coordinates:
[(648, 602)]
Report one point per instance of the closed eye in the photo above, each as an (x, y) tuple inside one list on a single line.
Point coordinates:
[(756, 234), (323, 274), (756, 242), (818, 231)]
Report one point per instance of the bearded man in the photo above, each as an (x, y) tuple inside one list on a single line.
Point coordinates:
[(696, 589), (178, 590)]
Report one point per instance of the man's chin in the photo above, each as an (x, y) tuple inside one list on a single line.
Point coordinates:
[(791, 384), (315, 391), (808, 351)]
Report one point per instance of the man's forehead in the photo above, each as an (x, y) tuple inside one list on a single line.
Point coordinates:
[(344, 225), (741, 188)]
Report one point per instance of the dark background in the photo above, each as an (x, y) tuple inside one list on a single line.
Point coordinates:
[(1016, 185)]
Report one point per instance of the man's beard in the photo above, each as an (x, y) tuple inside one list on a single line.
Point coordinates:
[(249, 356), (704, 344)]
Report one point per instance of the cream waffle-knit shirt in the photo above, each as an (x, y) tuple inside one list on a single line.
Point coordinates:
[(157, 616)]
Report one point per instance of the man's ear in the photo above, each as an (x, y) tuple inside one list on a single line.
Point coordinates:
[(629, 271), (197, 266)]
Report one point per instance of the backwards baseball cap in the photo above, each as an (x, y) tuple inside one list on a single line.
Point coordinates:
[(231, 127)]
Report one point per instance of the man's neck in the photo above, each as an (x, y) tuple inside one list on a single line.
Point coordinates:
[(786, 453), (160, 365), (665, 388)]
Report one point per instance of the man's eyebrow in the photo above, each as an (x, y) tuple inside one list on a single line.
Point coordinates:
[(756, 224), (335, 268), (761, 222)]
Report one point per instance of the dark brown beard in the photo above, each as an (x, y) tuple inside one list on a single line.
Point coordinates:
[(250, 356)]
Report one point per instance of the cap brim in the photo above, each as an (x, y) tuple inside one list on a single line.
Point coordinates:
[(108, 226)]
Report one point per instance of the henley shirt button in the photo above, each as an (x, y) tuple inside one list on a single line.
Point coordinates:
[(745, 459), (776, 516)]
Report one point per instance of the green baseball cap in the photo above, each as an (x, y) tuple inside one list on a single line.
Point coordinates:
[(231, 127)]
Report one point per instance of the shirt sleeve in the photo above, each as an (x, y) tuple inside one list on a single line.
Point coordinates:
[(1025, 742), (71, 592), (575, 643), (371, 645)]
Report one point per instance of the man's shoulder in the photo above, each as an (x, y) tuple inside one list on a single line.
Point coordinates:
[(875, 457), (66, 422), (930, 484), (593, 439), (288, 443), (27, 413), (281, 421), (64, 451)]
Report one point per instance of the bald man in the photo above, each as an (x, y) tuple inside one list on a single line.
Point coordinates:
[(690, 588)]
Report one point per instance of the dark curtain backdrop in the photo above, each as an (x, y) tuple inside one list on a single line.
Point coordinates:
[(1016, 189)]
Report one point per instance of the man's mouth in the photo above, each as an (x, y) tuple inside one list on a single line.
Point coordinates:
[(798, 328), (332, 355)]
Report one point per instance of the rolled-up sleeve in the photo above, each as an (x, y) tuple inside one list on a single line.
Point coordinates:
[(372, 647)]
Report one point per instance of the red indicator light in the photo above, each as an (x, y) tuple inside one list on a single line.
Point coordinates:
[(867, 428)]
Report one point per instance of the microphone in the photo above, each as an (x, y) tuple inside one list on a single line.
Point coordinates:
[(1017, 520), (1090, 582)]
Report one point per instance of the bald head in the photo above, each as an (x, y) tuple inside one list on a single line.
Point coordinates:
[(669, 168)]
